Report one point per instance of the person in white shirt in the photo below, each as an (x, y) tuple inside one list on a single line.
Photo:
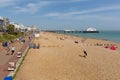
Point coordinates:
[(12, 50)]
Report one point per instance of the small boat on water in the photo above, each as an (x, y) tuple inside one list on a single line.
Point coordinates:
[(90, 30)]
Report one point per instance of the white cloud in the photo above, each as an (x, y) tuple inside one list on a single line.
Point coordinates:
[(96, 17), (32, 7), (69, 1), (4, 3), (86, 14), (77, 13), (99, 9), (63, 1), (77, 0), (53, 14)]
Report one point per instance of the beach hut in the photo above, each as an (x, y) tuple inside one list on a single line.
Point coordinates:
[(113, 48)]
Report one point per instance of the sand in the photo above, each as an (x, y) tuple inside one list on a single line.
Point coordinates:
[(60, 58)]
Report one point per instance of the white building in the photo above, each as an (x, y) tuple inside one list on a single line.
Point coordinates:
[(91, 29), (18, 27), (4, 22)]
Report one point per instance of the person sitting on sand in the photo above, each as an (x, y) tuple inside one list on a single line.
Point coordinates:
[(76, 42)]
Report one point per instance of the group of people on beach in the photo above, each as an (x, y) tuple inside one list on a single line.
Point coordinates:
[(34, 45)]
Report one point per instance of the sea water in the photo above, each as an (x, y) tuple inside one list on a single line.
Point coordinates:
[(106, 35)]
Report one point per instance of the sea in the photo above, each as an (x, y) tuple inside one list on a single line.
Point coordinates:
[(105, 35)]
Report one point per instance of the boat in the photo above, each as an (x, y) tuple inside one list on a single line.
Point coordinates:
[(90, 30)]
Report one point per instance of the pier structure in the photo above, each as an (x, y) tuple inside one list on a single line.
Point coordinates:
[(64, 31)]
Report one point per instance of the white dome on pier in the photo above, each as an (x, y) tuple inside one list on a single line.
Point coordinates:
[(91, 29)]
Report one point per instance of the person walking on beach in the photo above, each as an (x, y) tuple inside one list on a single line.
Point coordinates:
[(12, 50), (85, 53)]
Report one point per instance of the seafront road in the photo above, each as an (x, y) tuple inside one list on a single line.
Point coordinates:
[(5, 59)]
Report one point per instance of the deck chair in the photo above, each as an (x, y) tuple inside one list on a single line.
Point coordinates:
[(19, 54), (11, 66)]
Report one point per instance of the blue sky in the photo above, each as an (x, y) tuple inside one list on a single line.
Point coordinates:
[(63, 14)]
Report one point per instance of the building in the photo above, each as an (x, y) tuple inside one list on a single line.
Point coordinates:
[(33, 28), (90, 30), (18, 27), (4, 22)]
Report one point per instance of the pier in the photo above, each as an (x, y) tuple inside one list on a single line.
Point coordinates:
[(70, 31), (64, 31)]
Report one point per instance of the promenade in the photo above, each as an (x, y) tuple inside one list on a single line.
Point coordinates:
[(5, 59)]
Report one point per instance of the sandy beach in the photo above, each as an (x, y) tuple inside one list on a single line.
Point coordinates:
[(60, 58)]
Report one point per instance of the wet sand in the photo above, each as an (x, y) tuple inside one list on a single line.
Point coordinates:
[(60, 58)]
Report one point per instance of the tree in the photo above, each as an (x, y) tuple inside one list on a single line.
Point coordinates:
[(10, 29)]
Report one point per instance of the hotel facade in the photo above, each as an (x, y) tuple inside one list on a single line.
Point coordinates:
[(4, 22)]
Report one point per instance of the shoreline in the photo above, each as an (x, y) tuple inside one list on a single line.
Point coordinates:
[(91, 37), (105, 40)]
